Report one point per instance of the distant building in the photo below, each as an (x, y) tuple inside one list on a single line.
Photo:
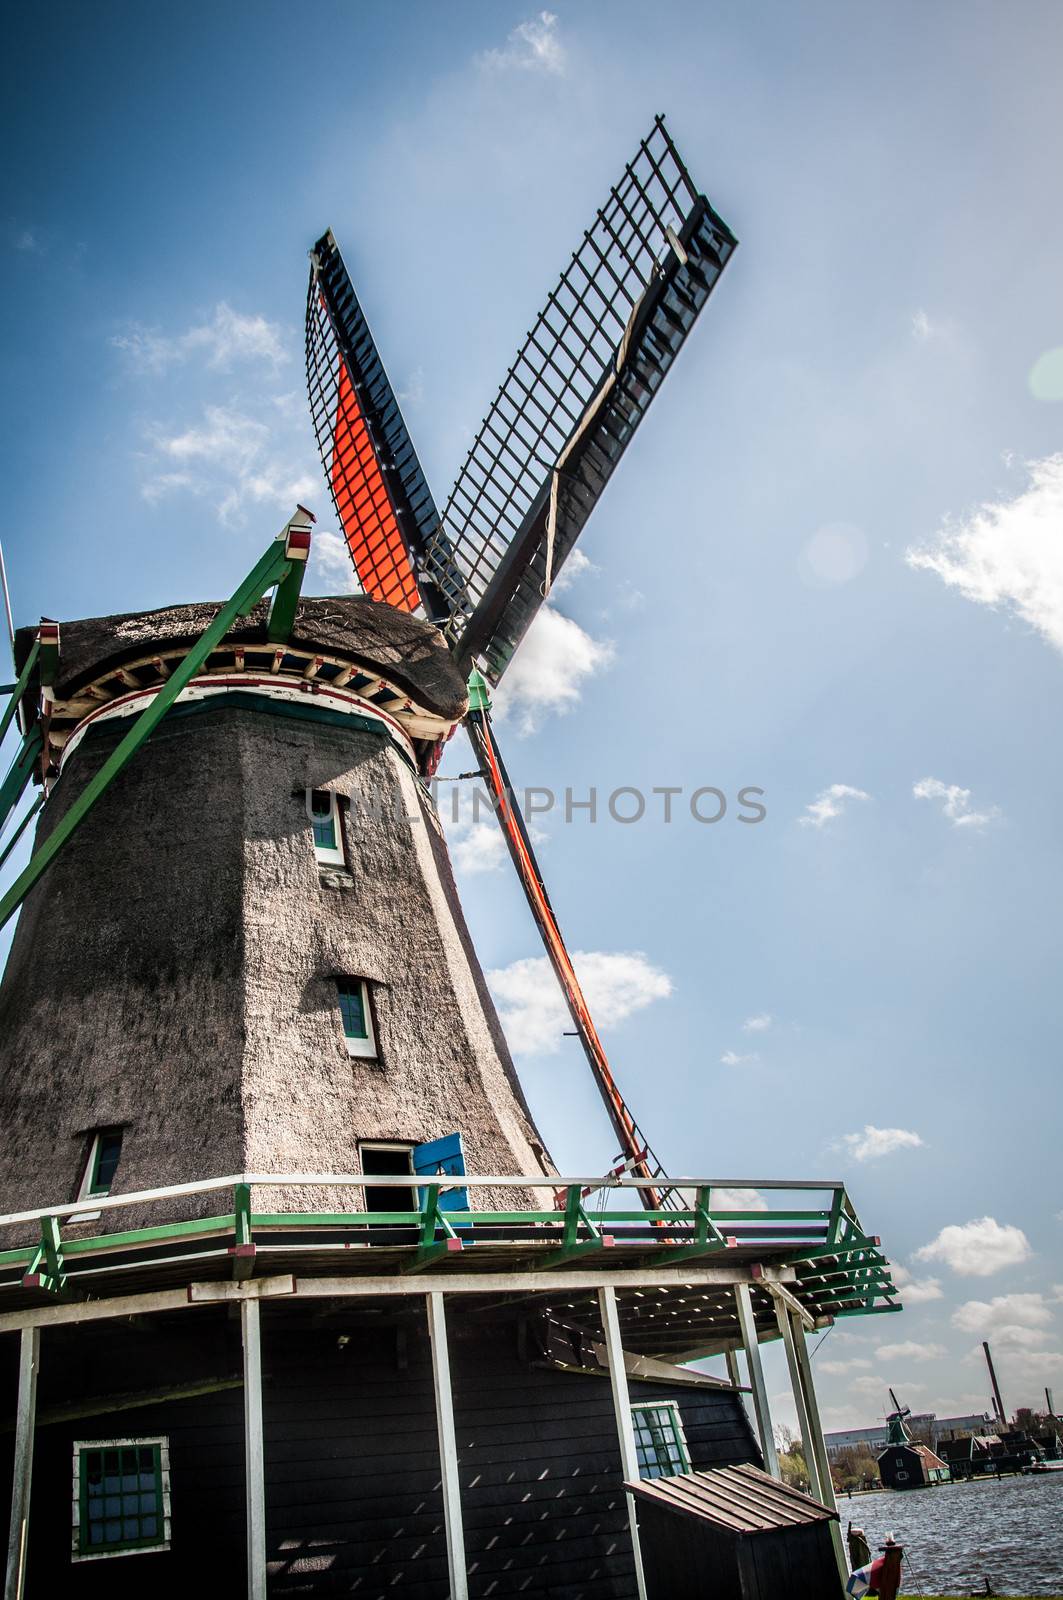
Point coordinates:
[(904, 1464), (871, 1439), (911, 1466), (937, 1428), (979, 1424), (977, 1456)]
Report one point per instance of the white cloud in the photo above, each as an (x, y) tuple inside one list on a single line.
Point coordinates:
[(574, 568), (731, 1058), (977, 1248), (481, 849), (830, 803), (1017, 1319), (629, 598), (927, 329), (724, 1199), (231, 457), (1027, 1366), (474, 838), (1009, 553), (759, 1024), (836, 1368), (533, 46), (225, 436), (874, 1142), (873, 1386), (229, 337), (27, 242), (921, 1290), (533, 1010), (915, 1291), (910, 1350), (549, 669), (955, 803), (412, 394), (331, 564), (164, 483)]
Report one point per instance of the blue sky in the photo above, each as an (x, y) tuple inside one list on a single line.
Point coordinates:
[(830, 567)]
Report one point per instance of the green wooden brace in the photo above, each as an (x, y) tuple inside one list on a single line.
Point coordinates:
[(19, 773), (20, 830), (49, 1256), (18, 689), (286, 598), (571, 1245), (269, 570), (431, 1220), (242, 1213)]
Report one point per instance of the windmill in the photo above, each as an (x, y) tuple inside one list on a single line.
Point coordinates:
[(225, 1008), (567, 409)]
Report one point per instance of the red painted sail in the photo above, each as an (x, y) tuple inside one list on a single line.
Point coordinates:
[(364, 506)]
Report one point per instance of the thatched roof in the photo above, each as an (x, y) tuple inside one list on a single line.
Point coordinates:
[(408, 651)]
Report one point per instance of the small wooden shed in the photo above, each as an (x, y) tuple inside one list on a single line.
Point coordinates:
[(734, 1533)]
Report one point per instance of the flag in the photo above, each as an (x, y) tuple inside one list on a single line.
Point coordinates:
[(865, 1580)]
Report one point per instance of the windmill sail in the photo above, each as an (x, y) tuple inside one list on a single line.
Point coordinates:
[(579, 387), (634, 1147), (380, 493)]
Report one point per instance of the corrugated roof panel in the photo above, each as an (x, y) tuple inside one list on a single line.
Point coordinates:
[(743, 1499)]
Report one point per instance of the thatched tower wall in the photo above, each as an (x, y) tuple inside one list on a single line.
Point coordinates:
[(174, 972)]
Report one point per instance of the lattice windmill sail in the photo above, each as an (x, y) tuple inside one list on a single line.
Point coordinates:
[(579, 386)]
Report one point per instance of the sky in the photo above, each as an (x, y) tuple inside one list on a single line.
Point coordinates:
[(829, 568)]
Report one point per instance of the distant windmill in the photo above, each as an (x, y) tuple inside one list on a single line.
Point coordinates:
[(569, 405)]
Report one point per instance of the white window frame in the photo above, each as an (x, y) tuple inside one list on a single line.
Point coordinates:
[(366, 1048), (325, 854), (86, 1177), (163, 1442), (678, 1430)]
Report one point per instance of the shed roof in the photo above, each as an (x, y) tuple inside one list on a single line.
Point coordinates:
[(743, 1499)]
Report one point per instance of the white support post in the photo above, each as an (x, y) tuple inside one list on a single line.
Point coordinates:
[(786, 1328), (25, 1421), (733, 1374), (750, 1345), (254, 1461), (448, 1448), (629, 1460), (819, 1444)]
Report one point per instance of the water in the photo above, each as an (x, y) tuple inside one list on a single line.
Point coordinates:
[(955, 1537)]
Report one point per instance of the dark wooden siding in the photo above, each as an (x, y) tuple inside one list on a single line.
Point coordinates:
[(353, 1489), (686, 1558)]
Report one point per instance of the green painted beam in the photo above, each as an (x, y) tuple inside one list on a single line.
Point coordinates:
[(569, 1252), (19, 773), (272, 568), (336, 1219), (427, 1254), (20, 830), (166, 1231), (18, 689), (572, 1245), (47, 1263), (242, 1213), (286, 598), (851, 1247)]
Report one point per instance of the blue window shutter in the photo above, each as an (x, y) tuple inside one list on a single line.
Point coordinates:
[(439, 1158)]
